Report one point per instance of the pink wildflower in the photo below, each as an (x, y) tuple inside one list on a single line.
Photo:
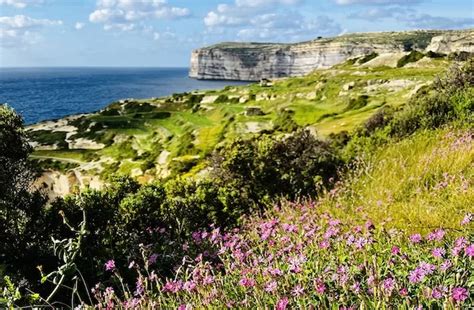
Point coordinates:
[(467, 219), (469, 250), (298, 290), (436, 235), (282, 304), (110, 265), (459, 294), (445, 265), (389, 285), (438, 252), (395, 250), (320, 287), (247, 282), (416, 238), (271, 286), (403, 292), (324, 244), (152, 259)]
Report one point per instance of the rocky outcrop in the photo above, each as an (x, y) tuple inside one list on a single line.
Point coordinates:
[(255, 61)]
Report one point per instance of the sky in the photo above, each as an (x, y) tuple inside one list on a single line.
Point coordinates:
[(162, 33)]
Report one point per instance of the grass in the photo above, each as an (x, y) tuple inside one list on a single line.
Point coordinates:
[(168, 121), (395, 235), (416, 184)]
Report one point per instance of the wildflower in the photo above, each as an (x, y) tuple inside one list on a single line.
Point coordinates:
[(438, 252), (436, 235), (319, 286), (185, 247), (139, 289), (416, 276), (275, 272), (189, 286), (427, 268), (208, 280), (324, 244), (183, 307), (395, 250), (271, 286), (403, 291), (459, 294), (110, 265), (131, 265), (247, 282), (282, 304), (467, 219), (356, 287), (469, 250), (152, 259), (445, 265), (416, 238), (298, 290), (436, 293), (389, 285)]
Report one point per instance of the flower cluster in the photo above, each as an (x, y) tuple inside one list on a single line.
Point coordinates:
[(302, 257)]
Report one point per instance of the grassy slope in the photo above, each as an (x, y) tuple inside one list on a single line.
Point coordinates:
[(136, 135), (417, 184)]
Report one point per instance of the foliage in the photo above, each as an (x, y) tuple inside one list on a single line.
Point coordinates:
[(300, 257), (413, 56)]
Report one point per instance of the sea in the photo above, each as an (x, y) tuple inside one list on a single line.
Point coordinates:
[(40, 94)]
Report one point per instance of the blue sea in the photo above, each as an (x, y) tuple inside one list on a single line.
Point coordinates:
[(49, 93)]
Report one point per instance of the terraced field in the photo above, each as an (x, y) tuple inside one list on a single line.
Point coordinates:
[(157, 138)]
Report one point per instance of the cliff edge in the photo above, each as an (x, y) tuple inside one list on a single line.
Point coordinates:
[(255, 61)]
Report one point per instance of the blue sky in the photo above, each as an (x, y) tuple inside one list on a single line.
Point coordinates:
[(163, 32)]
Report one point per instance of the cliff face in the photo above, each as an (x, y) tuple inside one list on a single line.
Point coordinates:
[(254, 61)]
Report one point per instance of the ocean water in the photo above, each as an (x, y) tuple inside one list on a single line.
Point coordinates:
[(49, 93)]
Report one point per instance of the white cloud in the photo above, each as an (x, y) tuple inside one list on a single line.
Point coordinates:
[(20, 4), (426, 21), (79, 26), (267, 20), (411, 18), (127, 15), (20, 29)]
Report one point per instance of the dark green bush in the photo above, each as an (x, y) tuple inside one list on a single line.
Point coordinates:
[(414, 56), (367, 58)]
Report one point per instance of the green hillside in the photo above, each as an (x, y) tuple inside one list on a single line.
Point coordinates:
[(156, 138)]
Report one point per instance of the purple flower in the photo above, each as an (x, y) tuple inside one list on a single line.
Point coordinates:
[(271, 286), (438, 292), (438, 252), (436, 235), (403, 292), (467, 219), (320, 287), (459, 294), (247, 282), (282, 304), (152, 259), (389, 285), (416, 276), (395, 250), (298, 290), (110, 265), (445, 265), (469, 250), (416, 238)]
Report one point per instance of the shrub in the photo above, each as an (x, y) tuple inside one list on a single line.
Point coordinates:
[(413, 56), (367, 58)]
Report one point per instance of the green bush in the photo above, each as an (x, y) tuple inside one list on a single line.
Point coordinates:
[(414, 56)]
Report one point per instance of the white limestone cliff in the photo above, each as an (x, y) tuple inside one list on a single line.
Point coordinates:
[(255, 61)]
